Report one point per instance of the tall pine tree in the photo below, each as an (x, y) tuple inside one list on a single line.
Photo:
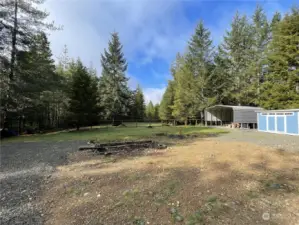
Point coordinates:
[(256, 67), (281, 87), (157, 107), (139, 105), (83, 97), (35, 69), (114, 91), (237, 45), (220, 81), (199, 60), (20, 21), (150, 111), (165, 109)]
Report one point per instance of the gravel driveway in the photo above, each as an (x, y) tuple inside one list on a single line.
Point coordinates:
[(24, 169), (278, 141)]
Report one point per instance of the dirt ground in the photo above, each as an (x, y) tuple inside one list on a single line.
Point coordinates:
[(209, 181)]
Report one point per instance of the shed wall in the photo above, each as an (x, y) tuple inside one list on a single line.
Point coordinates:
[(262, 122), (279, 122), (245, 116), (292, 124), (227, 114)]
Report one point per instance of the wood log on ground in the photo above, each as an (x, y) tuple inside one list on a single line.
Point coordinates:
[(125, 143), (91, 147), (104, 146), (122, 146)]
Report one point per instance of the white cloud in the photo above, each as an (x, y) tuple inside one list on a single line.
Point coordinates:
[(148, 29), (153, 94)]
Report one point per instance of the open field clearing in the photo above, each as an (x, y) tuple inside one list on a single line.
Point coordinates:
[(102, 133), (207, 177), (203, 182)]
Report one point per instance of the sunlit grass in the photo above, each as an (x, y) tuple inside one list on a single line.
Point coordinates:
[(102, 133)]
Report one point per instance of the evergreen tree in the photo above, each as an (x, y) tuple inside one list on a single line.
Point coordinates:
[(114, 91), (220, 81), (35, 69), (83, 97), (20, 20), (139, 105), (183, 104), (150, 111), (281, 87), (192, 75), (238, 44), (199, 61), (275, 20), (165, 109), (95, 110), (156, 115), (256, 68)]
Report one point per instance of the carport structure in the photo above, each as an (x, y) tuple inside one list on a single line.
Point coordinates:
[(245, 116)]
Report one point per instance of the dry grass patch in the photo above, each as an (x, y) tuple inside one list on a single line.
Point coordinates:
[(206, 182)]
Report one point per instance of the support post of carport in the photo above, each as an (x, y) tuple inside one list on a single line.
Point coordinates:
[(215, 119), (221, 117)]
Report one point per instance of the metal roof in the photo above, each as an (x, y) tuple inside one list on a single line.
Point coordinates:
[(236, 107), (279, 110)]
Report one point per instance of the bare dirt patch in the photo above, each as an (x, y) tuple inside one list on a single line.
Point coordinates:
[(206, 182)]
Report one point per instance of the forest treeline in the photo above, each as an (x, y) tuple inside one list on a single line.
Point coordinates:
[(256, 64), (38, 93)]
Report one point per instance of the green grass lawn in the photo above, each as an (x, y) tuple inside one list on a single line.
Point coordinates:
[(115, 133)]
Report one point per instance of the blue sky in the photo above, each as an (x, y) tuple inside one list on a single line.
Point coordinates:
[(151, 31)]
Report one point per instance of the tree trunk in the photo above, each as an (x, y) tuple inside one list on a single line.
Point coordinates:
[(20, 123), (13, 42)]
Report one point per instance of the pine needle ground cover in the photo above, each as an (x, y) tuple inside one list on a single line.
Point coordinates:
[(203, 182)]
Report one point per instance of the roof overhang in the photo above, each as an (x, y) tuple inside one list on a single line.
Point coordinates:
[(279, 110), (233, 107)]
